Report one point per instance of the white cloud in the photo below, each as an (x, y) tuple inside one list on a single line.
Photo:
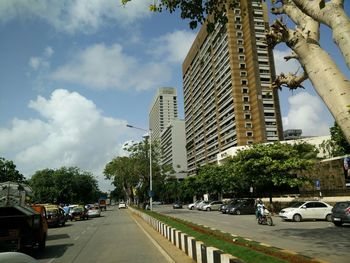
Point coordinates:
[(307, 113), (73, 16), (38, 63), (174, 46), (108, 67), (282, 66), (71, 132)]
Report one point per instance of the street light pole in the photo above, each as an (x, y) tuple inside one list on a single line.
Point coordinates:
[(150, 163)]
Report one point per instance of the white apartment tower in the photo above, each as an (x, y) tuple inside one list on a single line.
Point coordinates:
[(227, 77), (163, 110)]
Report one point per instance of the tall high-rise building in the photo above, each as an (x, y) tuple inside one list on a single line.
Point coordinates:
[(226, 80), (163, 110)]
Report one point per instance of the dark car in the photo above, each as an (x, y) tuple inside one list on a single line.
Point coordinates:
[(78, 213), (341, 213), (177, 205), (242, 206), (223, 207)]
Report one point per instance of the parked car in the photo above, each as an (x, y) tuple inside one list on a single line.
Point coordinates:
[(225, 205), (341, 213), (123, 205), (79, 212), (193, 205), (94, 211), (177, 205), (201, 204), (299, 211), (214, 205), (242, 206), (55, 215)]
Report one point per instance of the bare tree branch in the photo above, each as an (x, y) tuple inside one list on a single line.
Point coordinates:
[(291, 81)]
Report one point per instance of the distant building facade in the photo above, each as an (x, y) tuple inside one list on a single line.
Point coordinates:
[(292, 134), (164, 109), (226, 83), (173, 141)]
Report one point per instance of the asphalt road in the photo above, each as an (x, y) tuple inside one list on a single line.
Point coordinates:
[(113, 237), (316, 239)]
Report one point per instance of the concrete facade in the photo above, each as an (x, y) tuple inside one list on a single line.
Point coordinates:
[(226, 79), (173, 147), (164, 109)]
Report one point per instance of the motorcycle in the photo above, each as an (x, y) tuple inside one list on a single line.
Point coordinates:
[(265, 219)]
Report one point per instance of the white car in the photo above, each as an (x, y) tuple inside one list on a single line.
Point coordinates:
[(121, 205), (307, 210), (94, 212)]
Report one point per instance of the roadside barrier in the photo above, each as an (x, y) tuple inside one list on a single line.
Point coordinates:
[(196, 250)]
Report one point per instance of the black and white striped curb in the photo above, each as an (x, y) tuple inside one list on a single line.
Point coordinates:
[(197, 250)]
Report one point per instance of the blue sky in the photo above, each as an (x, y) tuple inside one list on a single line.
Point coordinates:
[(73, 73)]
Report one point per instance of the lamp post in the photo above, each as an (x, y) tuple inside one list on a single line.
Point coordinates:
[(150, 163)]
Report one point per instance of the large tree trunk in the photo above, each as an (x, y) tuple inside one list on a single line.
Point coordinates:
[(334, 16), (329, 82)]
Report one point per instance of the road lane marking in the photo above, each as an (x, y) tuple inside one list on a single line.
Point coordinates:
[(161, 250), (51, 260), (77, 238)]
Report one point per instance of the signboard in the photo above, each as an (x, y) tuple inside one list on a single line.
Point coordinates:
[(317, 184), (151, 193)]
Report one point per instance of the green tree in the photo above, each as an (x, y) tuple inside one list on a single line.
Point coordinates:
[(342, 146), (8, 172), (211, 179), (337, 145), (64, 185), (132, 173), (266, 165)]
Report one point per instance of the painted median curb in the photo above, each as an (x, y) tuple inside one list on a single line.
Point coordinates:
[(196, 250)]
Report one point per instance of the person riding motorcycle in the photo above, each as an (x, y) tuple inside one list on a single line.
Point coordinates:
[(260, 209)]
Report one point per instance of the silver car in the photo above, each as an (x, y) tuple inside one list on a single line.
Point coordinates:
[(214, 205)]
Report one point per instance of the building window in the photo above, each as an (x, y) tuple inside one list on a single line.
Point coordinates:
[(248, 125), (245, 90), (245, 99), (243, 73), (240, 42), (239, 34), (246, 108), (244, 82), (249, 134), (247, 116), (240, 50), (238, 26)]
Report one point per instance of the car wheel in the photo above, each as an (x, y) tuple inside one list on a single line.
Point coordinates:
[(329, 218), (208, 209), (191, 208), (337, 223), (297, 218), (237, 212)]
